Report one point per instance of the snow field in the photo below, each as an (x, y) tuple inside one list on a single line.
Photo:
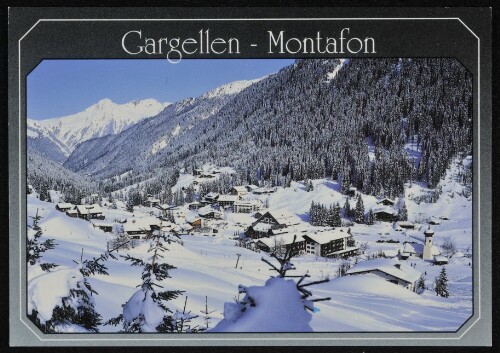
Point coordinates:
[(206, 266)]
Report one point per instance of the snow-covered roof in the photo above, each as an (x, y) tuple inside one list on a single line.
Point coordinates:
[(211, 195), (440, 258), (417, 248), (152, 199), (185, 227), (101, 223), (192, 218), (404, 272), (263, 190), (240, 188), (390, 253), (328, 236), (89, 209), (206, 210), (227, 198), (406, 224), (140, 224), (284, 217), (262, 227), (282, 239), (428, 232), (64, 205), (251, 187), (385, 199), (385, 209)]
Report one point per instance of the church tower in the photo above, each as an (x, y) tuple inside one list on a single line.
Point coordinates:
[(427, 255)]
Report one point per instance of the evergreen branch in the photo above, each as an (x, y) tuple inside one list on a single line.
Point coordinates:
[(313, 283), (270, 264), (321, 299)]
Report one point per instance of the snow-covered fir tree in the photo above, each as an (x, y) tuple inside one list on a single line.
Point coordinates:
[(347, 209), (359, 213), (36, 247), (370, 218), (63, 300), (259, 311), (146, 310), (421, 283), (337, 219), (441, 284)]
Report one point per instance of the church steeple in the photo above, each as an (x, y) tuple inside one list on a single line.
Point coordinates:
[(427, 254)]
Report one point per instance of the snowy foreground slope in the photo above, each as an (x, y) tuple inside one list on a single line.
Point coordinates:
[(206, 267)]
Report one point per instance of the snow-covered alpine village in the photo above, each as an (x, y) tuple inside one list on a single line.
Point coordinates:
[(180, 221)]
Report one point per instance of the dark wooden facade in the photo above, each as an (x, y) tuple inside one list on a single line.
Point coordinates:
[(383, 216)]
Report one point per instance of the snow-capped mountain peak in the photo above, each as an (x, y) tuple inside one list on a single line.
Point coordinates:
[(103, 118)]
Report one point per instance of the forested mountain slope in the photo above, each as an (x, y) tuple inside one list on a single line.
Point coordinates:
[(370, 123)]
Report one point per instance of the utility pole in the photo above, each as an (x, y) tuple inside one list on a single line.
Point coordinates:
[(237, 260)]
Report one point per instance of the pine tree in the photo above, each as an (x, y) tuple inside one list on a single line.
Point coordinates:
[(347, 209), (146, 310), (330, 218), (421, 283), (360, 210), (78, 307), (35, 247), (370, 219), (307, 184), (313, 218), (441, 284), (168, 195), (403, 213), (337, 219), (311, 186), (170, 216), (130, 201), (345, 185)]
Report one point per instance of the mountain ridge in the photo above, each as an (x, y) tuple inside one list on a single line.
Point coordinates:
[(350, 120), (100, 119)]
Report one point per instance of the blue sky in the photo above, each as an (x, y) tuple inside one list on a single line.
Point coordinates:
[(63, 87)]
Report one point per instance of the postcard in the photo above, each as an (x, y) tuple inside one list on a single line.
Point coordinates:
[(267, 176)]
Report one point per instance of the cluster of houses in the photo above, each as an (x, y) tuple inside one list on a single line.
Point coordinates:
[(282, 229), (212, 204), (206, 173), (87, 212), (395, 271)]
